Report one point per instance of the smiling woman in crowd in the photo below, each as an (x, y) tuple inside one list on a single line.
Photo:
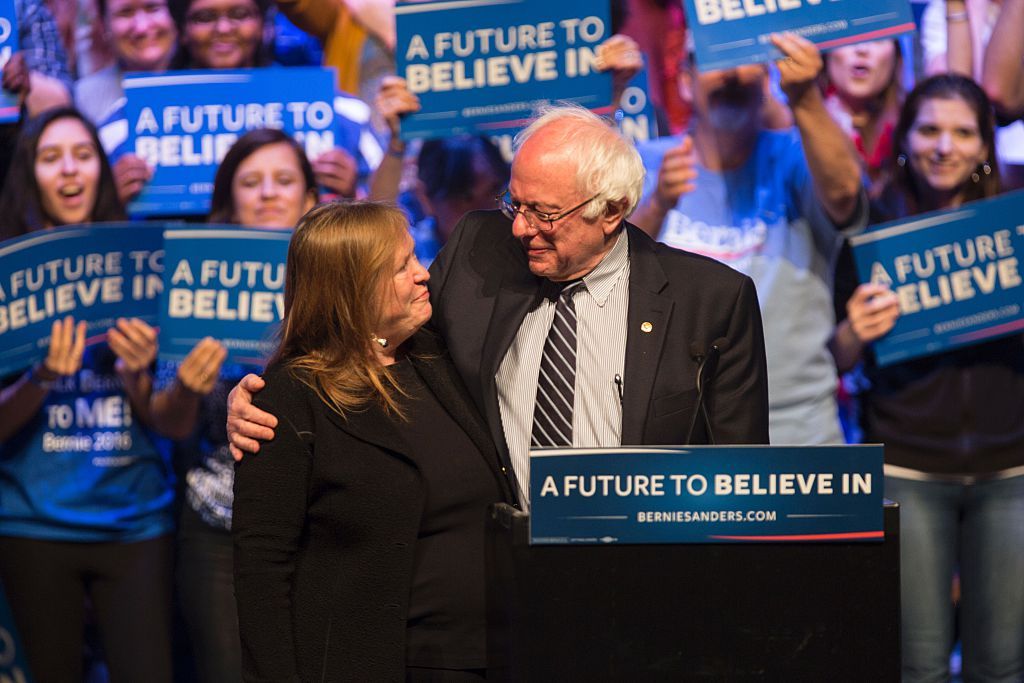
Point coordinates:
[(863, 92), (62, 178), (142, 36), (952, 423), (74, 522)]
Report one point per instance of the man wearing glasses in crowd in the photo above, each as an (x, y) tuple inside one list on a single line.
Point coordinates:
[(570, 326)]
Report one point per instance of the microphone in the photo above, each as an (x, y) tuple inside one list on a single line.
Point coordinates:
[(708, 366)]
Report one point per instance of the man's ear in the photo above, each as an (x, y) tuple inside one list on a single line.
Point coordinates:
[(614, 214)]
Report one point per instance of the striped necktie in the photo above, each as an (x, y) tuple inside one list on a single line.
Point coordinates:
[(556, 383)]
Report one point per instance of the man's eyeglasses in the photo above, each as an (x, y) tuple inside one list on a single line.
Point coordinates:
[(234, 15), (538, 220)]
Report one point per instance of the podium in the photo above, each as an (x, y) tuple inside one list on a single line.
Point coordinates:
[(691, 612)]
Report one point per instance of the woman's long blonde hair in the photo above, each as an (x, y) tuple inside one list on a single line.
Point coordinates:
[(340, 261)]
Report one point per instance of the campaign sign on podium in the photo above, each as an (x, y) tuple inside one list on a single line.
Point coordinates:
[(226, 283), (484, 66), (956, 274), (706, 494)]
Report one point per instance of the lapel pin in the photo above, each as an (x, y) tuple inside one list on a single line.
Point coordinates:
[(646, 327)]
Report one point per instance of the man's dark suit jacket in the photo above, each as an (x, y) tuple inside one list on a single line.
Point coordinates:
[(481, 288)]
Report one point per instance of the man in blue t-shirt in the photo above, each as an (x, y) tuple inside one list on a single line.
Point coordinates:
[(770, 204)]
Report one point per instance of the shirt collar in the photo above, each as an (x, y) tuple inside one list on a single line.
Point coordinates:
[(601, 280)]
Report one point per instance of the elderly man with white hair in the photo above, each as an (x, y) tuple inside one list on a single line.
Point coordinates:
[(570, 326)]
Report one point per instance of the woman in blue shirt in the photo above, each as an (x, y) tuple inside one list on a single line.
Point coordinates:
[(85, 497)]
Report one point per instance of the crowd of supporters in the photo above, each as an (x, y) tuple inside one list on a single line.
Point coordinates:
[(766, 167)]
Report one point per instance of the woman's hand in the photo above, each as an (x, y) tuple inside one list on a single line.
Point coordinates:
[(337, 171), (799, 69), (67, 343), (130, 175), (872, 312), (135, 344), (199, 371), (16, 78), (621, 55), (393, 101)]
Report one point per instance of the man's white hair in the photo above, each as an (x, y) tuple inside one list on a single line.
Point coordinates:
[(608, 165)]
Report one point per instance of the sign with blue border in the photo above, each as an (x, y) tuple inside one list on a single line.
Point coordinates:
[(706, 494), (182, 123), (10, 107), (96, 273), (728, 33), (956, 274), (484, 66), (635, 116), (226, 283)]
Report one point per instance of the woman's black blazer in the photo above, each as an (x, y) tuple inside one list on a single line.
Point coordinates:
[(326, 518)]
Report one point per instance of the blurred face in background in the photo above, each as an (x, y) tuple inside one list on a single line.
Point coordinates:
[(223, 34), (269, 189), (944, 147), (142, 33), (862, 73), (480, 196), (67, 171), (729, 100)]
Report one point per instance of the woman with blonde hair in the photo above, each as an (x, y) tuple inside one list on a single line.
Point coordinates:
[(359, 527)]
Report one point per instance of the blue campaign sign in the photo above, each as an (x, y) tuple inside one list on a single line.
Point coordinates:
[(12, 659), (182, 123), (484, 66), (10, 107), (727, 33), (226, 283), (956, 274), (635, 115), (96, 273), (706, 494)]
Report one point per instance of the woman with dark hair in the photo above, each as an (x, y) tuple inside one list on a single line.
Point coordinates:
[(84, 511), (265, 181), (48, 192), (863, 92), (359, 527), (952, 423), (221, 34)]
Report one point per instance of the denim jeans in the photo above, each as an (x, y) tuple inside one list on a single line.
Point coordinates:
[(979, 529)]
